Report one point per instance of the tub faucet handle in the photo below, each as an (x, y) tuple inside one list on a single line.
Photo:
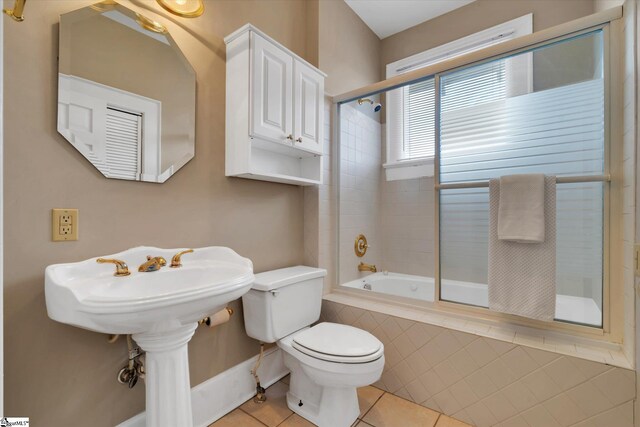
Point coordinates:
[(361, 246)]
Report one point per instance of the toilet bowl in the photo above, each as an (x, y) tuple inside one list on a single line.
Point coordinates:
[(328, 361), (324, 379)]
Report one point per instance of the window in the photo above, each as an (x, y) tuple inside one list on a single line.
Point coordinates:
[(411, 109)]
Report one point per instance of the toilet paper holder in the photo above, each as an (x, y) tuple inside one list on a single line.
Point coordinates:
[(218, 318)]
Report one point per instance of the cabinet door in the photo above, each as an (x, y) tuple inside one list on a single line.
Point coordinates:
[(272, 98), (308, 93)]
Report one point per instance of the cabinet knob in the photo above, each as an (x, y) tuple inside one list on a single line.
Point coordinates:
[(299, 139), (290, 137)]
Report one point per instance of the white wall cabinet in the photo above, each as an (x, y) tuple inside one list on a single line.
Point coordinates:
[(274, 111), (308, 91)]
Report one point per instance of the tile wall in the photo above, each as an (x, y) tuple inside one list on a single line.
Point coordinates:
[(360, 168), (489, 382)]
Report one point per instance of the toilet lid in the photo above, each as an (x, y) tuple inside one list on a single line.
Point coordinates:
[(338, 343)]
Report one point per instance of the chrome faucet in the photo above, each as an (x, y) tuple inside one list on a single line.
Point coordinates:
[(367, 267), (152, 264)]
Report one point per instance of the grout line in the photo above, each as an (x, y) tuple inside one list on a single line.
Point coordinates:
[(258, 420), (283, 421), (374, 404)]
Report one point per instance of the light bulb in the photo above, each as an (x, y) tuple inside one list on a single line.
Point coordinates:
[(183, 8)]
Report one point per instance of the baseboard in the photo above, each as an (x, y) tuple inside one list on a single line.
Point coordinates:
[(226, 391)]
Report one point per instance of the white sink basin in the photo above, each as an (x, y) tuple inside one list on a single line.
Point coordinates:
[(87, 294), (160, 309)]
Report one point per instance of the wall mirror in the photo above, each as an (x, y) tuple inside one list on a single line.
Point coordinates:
[(126, 93)]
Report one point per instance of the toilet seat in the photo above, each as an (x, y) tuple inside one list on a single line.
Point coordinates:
[(337, 343)]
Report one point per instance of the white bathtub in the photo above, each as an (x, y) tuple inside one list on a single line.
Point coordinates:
[(568, 308)]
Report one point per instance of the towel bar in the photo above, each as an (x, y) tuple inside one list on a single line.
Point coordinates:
[(559, 180)]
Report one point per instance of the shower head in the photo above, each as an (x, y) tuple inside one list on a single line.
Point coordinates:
[(375, 105)]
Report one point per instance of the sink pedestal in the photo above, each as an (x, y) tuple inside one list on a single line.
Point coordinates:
[(168, 390)]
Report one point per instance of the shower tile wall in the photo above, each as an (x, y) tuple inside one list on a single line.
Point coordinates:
[(488, 382), (360, 166), (407, 226)]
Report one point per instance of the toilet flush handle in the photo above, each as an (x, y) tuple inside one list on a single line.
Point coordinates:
[(275, 293)]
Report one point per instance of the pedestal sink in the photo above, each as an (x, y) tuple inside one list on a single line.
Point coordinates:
[(160, 309)]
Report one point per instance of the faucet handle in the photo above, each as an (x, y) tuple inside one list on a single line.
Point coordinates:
[(121, 267), (175, 261)]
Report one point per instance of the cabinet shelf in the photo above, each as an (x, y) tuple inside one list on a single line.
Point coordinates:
[(284, 149), (283, 179)]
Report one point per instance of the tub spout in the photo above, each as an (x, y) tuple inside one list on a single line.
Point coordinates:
[(367, 267)]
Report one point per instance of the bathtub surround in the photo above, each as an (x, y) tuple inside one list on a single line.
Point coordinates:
[(491, 381)]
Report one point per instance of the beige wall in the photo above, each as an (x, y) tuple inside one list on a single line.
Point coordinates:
[(601, 5), (61, 375), (349, 52), (477, 16)]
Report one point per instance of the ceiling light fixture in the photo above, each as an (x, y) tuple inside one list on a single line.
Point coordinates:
[(16, 12), (183, 8), (149, 24)]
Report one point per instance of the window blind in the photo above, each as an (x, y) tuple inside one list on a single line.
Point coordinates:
[(488, 82), (419, 120), (123, 141)]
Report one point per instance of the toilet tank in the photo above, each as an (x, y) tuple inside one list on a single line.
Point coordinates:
[(283, 301)]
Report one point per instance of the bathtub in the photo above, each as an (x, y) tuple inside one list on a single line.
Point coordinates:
[(568, 308)]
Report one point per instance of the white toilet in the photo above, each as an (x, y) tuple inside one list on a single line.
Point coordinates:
[(328, 361)]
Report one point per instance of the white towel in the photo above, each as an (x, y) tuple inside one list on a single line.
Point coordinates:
[(521, 213), (522, 276)]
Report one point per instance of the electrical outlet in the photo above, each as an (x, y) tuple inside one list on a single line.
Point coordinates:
[(64, 225), (65, 219)]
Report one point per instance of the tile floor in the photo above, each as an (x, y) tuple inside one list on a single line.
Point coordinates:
[(377, 409)]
